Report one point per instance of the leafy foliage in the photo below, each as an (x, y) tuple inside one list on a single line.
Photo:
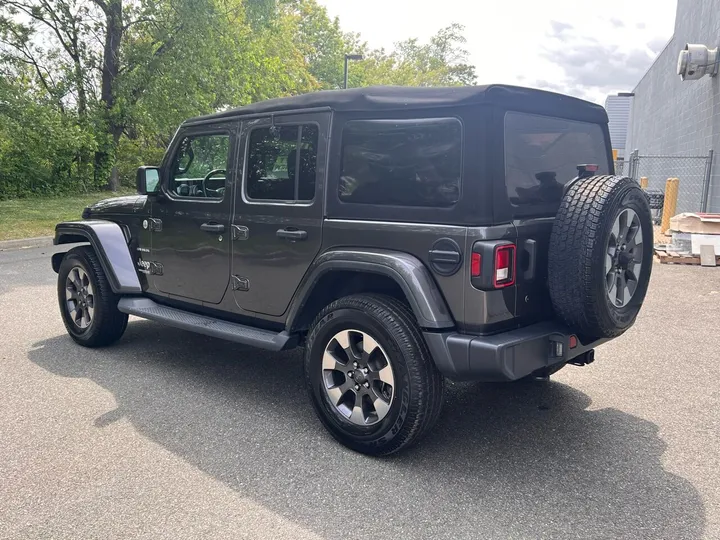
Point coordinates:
[(41, 149), (90, 89), (440, 62)]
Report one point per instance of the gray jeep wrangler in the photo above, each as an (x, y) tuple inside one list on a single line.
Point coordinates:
[(400, 235)]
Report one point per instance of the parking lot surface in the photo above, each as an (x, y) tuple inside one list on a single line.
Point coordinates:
[(173, 435)]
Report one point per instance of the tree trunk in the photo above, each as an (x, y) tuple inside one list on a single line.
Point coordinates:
[(110, 70), (82, 97), (114, 182), (111, 52)]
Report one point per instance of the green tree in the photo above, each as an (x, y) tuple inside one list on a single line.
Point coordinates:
[(120, 75), (223, 60), (442, 61), (41, 149), (322, 42), (132, 63)]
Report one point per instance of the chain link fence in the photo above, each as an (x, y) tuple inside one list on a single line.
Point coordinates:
[(620, 167), (693, 172)]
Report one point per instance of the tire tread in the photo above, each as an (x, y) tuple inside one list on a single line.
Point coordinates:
[(578, 228), (425, 380), (109, 323)]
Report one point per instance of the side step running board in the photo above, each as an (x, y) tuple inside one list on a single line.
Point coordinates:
[(185, 320)]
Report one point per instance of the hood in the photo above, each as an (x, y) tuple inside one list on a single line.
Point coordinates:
[(129, 204)]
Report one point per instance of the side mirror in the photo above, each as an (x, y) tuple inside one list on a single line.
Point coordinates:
[(148, 180)]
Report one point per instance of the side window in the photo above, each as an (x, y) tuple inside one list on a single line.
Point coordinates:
[(542, 155), (402, 162), (199, 168), (281, 163)]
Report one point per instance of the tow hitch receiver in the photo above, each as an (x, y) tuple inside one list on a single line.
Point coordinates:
[(584, 359)]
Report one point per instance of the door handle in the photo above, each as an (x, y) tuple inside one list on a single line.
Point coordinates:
[(292, 234), (212, 227)]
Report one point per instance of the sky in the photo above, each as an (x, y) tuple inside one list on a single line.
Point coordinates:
[(586, 48)]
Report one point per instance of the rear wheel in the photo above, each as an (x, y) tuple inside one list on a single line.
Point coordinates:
[(87, 304), (369, 374), (600, 255)]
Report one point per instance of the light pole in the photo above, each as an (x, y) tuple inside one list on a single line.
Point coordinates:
[(349, 57)]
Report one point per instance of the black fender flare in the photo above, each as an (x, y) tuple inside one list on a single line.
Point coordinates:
[(110, 245), (407, 271)]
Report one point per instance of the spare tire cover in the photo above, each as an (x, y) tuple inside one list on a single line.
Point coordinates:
[(600, 255)]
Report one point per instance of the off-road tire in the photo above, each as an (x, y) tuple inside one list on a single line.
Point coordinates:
[(656, 198), (108, 323), (576, 258), (419, 386)]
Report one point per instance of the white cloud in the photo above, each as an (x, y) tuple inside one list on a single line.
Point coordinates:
[(582, 47), (591, 66), (657, 44)]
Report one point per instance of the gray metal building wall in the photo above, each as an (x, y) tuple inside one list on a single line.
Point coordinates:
[(670, 116)]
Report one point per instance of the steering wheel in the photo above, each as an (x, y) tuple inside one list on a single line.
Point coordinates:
[(210, 175)]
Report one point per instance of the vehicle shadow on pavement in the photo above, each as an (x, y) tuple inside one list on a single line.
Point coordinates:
[(505, 461)]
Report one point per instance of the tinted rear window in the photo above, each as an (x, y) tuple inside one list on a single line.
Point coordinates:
[(401, 162), (542, 155)]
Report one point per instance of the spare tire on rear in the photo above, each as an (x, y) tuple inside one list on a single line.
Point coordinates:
[(600, 255)]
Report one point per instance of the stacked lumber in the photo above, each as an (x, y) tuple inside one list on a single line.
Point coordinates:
[(665, 255), (695, 240)]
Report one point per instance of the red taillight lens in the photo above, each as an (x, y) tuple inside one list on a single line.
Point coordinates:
[(572, 342), (475, 265), (504, 266)]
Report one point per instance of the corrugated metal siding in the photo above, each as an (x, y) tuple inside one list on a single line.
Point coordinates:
[(673, 117), (618, 110)]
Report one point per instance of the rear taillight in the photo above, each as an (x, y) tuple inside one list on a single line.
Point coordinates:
[(504, 274), (475, 265), (492, 264)]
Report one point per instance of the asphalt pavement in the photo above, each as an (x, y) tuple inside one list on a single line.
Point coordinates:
[(173, 435)]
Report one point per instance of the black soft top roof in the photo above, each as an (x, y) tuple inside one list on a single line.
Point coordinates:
[(403, 97)]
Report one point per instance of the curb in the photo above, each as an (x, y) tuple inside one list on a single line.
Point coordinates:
[(24, 243)]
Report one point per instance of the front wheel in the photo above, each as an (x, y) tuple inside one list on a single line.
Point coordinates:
[(370, 376), (87, 304)]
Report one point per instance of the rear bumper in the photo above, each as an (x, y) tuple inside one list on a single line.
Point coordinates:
[(507, 356)]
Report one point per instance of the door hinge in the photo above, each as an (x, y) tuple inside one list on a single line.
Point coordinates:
[(240, 232), (155, 224), (240, 283), (156, 268)]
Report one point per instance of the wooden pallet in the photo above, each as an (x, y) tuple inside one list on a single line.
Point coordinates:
[(668, 257)]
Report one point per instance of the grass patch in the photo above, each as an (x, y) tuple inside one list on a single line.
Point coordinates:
[(27, 218)]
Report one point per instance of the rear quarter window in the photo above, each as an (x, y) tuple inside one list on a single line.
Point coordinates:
[(542, 154), (416, 162)]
